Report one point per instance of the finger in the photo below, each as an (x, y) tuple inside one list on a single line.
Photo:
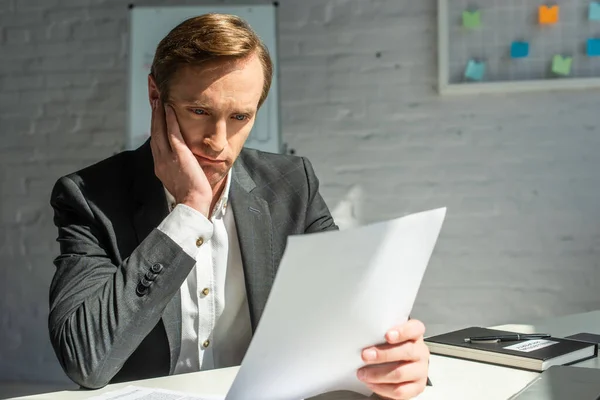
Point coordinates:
[(153, 138), (392, 372), (385, 353), (173, 131), (411, 330), (401, 391), (158, 130)]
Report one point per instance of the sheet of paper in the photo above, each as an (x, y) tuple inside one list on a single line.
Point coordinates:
[(475, 70), (471, 19), (562, 65), (548, 15), (519, 49), (594, 14), (141, 393), (335, 293), (593, 47)]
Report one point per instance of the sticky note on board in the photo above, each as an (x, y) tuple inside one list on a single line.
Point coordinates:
[(548, 15), (593, 47), (475, 70), (519, 49), (595, 11), (562, 65), (471, 19)]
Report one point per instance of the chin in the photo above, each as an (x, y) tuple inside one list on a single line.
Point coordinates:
[(214, 175)]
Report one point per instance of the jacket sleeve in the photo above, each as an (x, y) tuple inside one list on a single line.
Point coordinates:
[(100, 312), (318, 217)]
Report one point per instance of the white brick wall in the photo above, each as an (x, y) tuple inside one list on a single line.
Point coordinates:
[(518, 173)]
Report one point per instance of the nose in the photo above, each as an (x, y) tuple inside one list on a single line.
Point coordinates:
[(216, 138)]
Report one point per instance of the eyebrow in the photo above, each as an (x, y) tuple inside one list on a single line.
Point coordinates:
[(249, 111), (195, 102)]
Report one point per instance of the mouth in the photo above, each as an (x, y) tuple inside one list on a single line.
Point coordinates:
[(209, 161)]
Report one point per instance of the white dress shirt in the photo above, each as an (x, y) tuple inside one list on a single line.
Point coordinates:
[(215, 317)]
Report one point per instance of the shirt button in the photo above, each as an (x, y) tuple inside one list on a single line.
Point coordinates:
[(205, 291), (206, 343), (199, 242)]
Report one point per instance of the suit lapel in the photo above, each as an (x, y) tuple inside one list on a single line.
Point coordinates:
[(255, 233), (151, 209)]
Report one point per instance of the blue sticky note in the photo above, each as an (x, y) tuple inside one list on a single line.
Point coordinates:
[(475, 70), (595, 11), (593, 47), (519, 49)]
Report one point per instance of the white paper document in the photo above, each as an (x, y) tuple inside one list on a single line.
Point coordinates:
[(335, 293), (141, 393)]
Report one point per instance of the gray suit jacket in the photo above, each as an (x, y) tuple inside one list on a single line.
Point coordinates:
[(115, 311)]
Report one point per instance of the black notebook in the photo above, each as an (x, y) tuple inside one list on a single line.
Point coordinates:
[(535, 355)]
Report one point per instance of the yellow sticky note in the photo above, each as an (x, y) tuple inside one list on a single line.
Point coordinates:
[(548, 15)]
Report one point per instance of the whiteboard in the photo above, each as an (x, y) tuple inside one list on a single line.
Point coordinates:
[(148, 25)]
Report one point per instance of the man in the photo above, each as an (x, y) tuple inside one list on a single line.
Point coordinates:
[(168, 252)]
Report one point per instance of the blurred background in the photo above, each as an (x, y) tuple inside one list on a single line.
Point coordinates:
[(519, 173)]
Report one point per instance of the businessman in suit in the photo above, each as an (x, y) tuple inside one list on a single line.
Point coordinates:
[(168, 252)]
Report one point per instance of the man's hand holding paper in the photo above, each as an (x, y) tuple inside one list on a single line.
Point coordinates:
[(397, 369)]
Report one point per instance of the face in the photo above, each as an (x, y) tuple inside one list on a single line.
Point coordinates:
[(216, 106)]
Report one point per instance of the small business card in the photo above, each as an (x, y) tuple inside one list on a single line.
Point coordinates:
[(531, 345)]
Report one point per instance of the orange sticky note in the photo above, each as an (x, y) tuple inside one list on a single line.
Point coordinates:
[(548, 15)]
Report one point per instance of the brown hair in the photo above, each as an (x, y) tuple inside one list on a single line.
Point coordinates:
[(204, 38)]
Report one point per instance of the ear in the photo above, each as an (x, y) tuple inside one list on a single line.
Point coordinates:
[(153, 92)]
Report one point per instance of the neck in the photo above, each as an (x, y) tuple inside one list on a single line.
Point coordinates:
[(217, 190)]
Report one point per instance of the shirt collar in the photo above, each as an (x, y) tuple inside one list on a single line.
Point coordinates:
[(220, 206)]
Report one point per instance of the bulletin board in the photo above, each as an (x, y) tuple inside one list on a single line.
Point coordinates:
[(148, 25), (518, 45)]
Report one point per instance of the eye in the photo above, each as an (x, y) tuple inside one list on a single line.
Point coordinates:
[(240, 117), (198, 111)]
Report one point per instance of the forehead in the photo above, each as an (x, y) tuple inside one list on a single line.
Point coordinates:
[(217, 81)]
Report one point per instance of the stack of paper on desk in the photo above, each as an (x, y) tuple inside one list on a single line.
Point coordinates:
[(335, 293), (142, 393)]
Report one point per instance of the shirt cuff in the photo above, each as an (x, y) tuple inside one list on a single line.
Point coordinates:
[(188, 228)]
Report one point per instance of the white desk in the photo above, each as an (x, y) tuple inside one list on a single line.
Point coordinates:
[(451, 378)]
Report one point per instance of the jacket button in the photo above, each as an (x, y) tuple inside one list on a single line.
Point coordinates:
[(205, 291), (156, 268), (150, 276), (206, 343), (141, 290), (199, 242), (144, 282)]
